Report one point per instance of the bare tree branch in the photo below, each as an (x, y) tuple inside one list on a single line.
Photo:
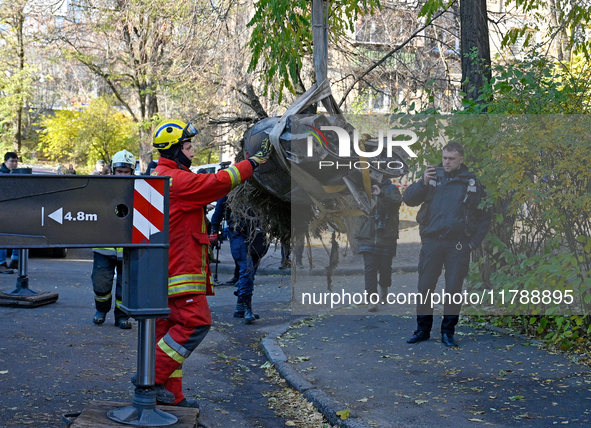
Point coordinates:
[(388, 55)]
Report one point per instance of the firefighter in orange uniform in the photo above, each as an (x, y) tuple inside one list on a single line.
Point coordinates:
[(189, 279)]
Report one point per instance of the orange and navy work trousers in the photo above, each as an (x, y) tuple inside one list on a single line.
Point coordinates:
[(177, 337)]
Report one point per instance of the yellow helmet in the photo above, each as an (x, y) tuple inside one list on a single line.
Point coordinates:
[(172, 132)]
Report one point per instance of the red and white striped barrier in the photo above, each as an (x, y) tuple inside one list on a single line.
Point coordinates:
[(148, 208)]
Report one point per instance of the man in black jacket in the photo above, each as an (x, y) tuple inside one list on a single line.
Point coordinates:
[(452, 224)]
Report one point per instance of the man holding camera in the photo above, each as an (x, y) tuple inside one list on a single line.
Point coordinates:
[(452, 224)]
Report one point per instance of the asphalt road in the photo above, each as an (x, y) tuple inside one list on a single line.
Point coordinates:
[(54, 360)]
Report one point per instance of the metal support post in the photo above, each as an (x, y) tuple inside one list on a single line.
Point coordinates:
[(217, 257), (22, 282), (143, 410), (85, 212), (146, 359)]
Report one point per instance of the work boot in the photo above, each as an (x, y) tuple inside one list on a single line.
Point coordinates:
[(99, 317), (4, 269), (162, 394), (373, 307), (188, 403), (383, 295), (285, 264), (240, 309), (13, 264), (232, 281), (123, 323), (249, 317)]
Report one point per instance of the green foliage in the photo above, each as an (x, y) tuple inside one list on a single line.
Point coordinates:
[(15, 88), (431, 7), (16, 76), (282, 36), (83, 136), (206, 155), (535, 86)]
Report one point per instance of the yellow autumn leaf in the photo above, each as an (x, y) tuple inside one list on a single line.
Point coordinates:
[(343, 414)]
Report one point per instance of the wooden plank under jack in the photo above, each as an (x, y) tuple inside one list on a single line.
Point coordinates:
[(95, 416), (18, 301)]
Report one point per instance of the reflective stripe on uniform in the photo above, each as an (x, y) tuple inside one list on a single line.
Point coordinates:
[(234, 174), (204, 256), (179, 284), (102, 298), (186, 288), (180, 349), (177, 373), (171, 351), (107, 252), (186, 278), (118, 303)]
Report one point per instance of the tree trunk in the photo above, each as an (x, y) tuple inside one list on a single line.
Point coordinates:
[(148, 107), (558, 39), (475, 47), (320, 40), (18, 111)]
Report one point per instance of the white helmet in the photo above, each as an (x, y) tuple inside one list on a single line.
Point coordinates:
[(123, 159)]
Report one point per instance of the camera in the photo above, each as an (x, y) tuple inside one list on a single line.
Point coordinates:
[(439, 172), (224, 165)]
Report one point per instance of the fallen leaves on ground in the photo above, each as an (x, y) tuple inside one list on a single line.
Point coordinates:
[(343, 414), (516, 397), (291, 405)]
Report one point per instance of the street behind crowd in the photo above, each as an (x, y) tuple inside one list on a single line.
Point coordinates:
[(54, 360)]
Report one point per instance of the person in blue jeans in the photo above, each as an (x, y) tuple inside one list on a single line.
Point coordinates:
[(10, 163), (7, 267), (248, 246)]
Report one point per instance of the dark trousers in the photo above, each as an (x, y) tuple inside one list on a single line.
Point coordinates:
[(247, 254), (374, 265), (436, 254), (103, 272)]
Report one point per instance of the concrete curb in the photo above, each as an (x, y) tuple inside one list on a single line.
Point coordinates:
[(325, 404)]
